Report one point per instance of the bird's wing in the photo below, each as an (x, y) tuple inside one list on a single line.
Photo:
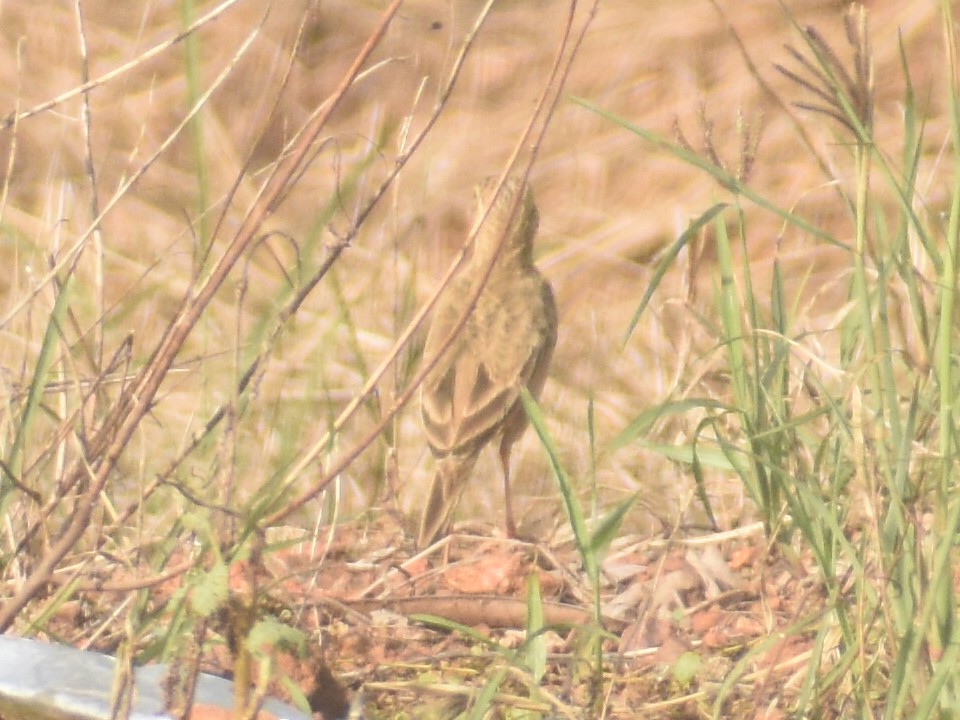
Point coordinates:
[(477, 382), (462, 404)]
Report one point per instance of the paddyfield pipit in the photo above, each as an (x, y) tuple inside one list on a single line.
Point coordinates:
[(472, 395)]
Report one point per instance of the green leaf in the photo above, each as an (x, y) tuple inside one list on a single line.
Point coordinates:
[(685, 669), (272, 633), (210, 590)]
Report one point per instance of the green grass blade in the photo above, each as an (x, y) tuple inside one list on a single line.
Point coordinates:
[(570, 500), (665, 262), (38, 382), (717, 173), (536, 644)]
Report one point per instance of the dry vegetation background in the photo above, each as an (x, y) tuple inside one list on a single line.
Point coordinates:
[(609, 204)]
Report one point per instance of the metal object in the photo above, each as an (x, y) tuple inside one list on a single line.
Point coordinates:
[(40, 681)]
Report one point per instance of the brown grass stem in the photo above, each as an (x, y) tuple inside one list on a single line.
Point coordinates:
[(134, 404), (545, 107)]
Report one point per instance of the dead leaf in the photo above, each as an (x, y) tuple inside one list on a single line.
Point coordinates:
[(494, 574), (713, 570)]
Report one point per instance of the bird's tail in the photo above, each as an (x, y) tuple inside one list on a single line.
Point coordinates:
[(448, 485)]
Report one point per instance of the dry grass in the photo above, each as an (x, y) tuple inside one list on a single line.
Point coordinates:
[(609, 204)]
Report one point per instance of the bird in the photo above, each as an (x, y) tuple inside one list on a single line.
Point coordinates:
[(472, 396)]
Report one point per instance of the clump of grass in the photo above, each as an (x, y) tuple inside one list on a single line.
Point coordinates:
[(845, 439)]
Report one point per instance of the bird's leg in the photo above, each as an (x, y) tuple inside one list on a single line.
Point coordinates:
[(507, 497)]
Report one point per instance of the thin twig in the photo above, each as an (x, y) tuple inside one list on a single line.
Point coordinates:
[(544, 108), (307, 288), (216, 12), (69, 257), (136, 402)]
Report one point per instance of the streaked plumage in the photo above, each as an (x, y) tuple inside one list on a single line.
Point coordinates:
[(472, 395)]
